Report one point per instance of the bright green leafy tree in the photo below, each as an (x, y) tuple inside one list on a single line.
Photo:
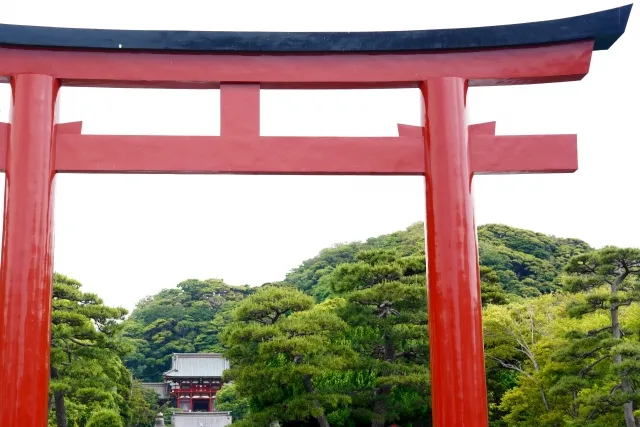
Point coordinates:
[(105, 418), (520, 338), (227, 400), (144, 406)]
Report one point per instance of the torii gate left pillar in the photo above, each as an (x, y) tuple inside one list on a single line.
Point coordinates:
[(445, 151)]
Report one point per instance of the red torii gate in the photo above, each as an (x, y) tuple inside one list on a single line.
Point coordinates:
[(443, 63)]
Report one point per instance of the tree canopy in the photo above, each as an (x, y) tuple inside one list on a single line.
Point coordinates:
[(525, 263), (342, 341), (187, 319), (90, 385)]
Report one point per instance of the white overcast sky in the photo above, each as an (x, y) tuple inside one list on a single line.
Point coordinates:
[(126, 237)]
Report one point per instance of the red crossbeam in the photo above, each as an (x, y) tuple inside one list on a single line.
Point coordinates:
[(403, 155), (239, 155), (241, 150), (508, 154), (525, 65)]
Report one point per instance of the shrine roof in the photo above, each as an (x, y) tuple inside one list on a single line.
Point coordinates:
[(201, 365), (603, 27)]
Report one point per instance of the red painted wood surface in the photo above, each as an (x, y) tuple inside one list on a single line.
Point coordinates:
[(491, 154), (524, 154), (212, 389), (544, 64), (4, 141), (191, 392), (27, 252), (239, 155), (306, 155), (455, 311), (240, 109)]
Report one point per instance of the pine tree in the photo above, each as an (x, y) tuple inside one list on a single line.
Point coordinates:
[(610, 279), (280, 344), (386, 312), (87, 372)]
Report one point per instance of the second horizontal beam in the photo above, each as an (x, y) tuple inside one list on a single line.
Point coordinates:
[(240, 155)]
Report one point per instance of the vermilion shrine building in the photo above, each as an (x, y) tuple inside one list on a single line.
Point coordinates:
[(445, 150), (194, 379), (191, 385)]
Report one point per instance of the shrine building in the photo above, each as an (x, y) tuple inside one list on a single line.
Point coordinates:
[(194, 379)]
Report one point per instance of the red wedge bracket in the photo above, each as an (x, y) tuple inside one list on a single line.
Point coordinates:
[(4, 143), (71, 128), (514, 154)]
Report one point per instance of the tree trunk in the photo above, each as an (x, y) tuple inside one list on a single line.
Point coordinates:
[(544, 399), (321, 418), (536, 367), (575, 406), (629, 418), (380, 407), (61, 408)]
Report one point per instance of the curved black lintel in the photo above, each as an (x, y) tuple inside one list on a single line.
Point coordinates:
[(603, 27)]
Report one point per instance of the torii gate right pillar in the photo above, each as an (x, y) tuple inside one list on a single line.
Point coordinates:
[(453, 153), (455, 312)]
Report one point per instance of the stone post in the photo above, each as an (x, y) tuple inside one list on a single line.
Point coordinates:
[(159, 420)]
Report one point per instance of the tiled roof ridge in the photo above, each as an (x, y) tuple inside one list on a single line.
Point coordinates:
[(212, 355)]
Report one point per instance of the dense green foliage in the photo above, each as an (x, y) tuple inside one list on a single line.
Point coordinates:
[(281, 346), (574, 355), (187, 319), (144, 406), (105, 418), (90, 385), (227, 400), (343, 340), (525, 263), (307, 276), (385, 310)]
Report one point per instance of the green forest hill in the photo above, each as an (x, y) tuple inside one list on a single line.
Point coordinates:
[(343, 339)]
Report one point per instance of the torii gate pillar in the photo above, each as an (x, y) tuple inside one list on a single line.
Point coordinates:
[(27, 252), (455, 309)]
